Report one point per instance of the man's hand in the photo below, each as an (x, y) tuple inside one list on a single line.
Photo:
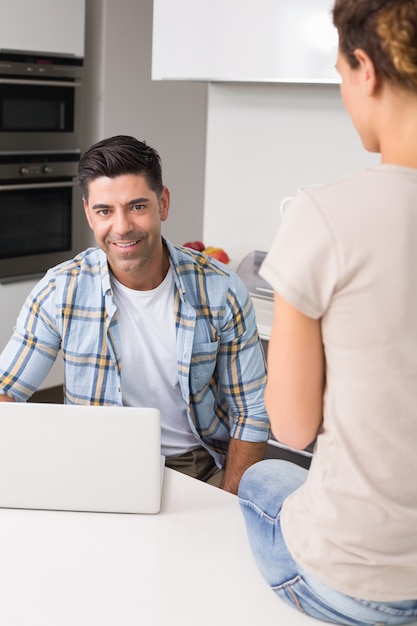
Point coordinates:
[(240, 456), (4, 398)]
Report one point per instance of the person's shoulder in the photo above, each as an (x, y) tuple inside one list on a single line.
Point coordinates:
[(349, 183), (87, 262), (199, 273)]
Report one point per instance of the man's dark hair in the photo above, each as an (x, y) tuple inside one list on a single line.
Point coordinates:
[(117, 156)]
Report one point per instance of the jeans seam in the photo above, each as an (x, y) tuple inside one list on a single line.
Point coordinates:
[(387, 610), (288, 588), (259, 511)]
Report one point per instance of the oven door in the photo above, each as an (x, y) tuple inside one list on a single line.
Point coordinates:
[(40, 227), (39, 114)]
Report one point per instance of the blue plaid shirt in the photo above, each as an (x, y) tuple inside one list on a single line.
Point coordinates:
[(221, 367)]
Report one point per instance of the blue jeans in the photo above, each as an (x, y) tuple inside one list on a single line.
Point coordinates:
[(262, 490)]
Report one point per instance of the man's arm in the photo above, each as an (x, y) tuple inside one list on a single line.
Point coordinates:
[(32, 349), (240, 456), (242, 374)]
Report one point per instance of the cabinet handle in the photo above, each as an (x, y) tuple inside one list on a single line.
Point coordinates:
[(42, 83)]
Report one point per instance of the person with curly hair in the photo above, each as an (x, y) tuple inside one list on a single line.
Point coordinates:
[(339, 542)]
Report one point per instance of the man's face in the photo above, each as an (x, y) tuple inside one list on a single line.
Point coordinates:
[(125, 216)]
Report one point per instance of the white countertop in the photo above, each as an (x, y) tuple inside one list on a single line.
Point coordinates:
[(190, 564)]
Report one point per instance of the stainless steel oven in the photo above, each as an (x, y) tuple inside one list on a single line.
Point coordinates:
[(40, 102), (40, 213)]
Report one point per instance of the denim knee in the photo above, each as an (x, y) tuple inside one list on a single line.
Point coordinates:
[(267, 483)]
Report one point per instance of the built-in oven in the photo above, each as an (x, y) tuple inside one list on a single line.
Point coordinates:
[(40, 213), (40, 102)]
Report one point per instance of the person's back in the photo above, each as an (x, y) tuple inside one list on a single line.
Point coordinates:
[(362, 283), (340, 541)]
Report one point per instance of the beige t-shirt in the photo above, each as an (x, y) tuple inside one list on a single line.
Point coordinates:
[(347, 253)]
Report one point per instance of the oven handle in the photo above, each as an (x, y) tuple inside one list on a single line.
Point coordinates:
[(36, 83), (50, 185)]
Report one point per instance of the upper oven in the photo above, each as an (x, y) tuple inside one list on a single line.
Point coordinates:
[(40, 103)]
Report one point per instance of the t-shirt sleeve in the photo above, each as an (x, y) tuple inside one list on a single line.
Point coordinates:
[(302, 264)]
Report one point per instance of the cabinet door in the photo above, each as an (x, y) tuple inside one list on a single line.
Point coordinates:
[(244, 40), (45, 26)]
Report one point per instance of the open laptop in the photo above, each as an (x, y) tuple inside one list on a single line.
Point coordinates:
[(80, 458)]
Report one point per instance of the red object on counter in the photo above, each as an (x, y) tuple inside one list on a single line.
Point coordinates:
[(215, 253), (195, 245)]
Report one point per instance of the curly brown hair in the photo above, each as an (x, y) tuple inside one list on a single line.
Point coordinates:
[(386, 30)]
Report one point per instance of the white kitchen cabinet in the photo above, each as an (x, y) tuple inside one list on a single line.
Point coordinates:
[(243, 40), (44, 26)]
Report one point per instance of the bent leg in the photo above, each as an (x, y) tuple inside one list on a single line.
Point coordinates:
[(262, 490)]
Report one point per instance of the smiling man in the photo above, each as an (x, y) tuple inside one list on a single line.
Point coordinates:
[(125, 216), (142, 322)]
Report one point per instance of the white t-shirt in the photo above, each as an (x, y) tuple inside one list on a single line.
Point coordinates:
[(346, 253), (148, 351)]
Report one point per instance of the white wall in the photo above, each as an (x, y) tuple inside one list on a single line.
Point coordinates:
[(263, 142)]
